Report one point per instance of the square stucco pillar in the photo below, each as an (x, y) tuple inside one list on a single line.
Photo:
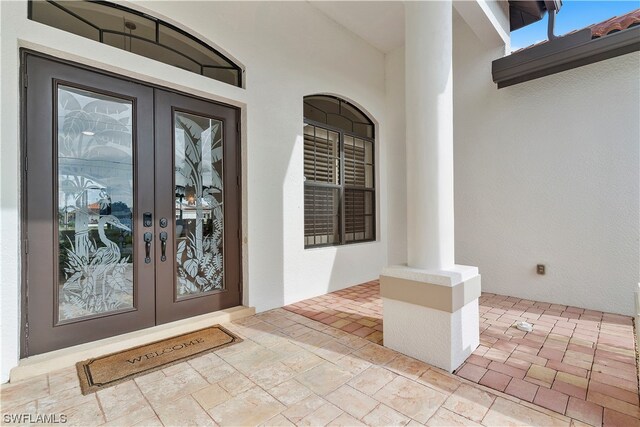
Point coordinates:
[(430, 306), (431, 316)]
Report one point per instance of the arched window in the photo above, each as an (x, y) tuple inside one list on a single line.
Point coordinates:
[(138, 33), (339, 173)]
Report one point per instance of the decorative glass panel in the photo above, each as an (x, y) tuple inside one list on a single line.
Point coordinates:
[(49, 14), (199, 209), (138, 33), (95, 203)]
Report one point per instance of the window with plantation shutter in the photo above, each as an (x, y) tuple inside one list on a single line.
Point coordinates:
[(339, 190)]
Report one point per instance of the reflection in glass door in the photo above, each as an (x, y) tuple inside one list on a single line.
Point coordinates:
[(199, 212), (95, 203)]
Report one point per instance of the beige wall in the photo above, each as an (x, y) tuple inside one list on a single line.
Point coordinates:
[(545, 172), (548, 172)]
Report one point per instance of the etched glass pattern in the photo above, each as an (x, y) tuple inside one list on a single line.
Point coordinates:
[(198, 200), (95, 203)]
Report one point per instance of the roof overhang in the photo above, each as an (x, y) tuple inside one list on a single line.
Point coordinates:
[(525, 12), (564, 53)]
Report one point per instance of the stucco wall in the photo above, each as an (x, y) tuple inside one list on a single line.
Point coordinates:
[(289, 50), (548, 172), (545, 172)]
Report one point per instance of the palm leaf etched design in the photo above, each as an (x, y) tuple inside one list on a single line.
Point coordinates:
[(96, 276), (199, 259)]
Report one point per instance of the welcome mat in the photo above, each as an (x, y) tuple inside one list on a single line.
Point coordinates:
[(114, 368)]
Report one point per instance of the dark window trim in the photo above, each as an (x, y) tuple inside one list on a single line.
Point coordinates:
[(341, 101), (158, 23), (561, 54), (342, 186)]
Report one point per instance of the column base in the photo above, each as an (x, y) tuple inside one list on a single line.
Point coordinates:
[(431, 315)]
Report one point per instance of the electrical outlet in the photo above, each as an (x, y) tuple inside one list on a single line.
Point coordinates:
[(540, 269)]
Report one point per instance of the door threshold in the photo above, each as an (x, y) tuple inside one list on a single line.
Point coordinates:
[(44, 363)]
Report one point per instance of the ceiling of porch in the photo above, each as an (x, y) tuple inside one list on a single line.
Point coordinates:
[(380, 23)]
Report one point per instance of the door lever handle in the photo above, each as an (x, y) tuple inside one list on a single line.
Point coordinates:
[(163, 246), (148, 237)]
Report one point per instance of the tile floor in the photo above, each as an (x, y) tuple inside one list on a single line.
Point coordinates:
[(577, 362), (317, 363), (289, 370)]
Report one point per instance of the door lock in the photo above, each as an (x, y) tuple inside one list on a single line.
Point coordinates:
[(147, 219), (163, 222)]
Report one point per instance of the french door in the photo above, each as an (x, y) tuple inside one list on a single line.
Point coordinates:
[(131, 205)]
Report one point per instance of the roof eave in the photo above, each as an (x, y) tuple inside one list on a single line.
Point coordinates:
[(523, 13), (563, 54)]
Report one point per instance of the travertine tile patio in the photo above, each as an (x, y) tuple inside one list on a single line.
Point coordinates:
[(577, 362), (289, 370)]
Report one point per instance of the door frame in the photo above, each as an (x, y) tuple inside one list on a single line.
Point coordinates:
[(24, 286)]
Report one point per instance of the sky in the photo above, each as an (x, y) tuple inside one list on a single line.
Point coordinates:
[(573, 15)]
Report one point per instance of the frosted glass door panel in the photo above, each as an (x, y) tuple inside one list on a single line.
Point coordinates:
[(199, 204), (95, 203)]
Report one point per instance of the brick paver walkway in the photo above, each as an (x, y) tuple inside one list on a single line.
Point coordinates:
[(357, 310), (577, 362)]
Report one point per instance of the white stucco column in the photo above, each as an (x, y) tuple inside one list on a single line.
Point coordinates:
[(429, 133), (430, 305)]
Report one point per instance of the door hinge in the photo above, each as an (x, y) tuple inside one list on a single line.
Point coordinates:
[(25, 77), (26, 163), (238, 126), (26, 246)]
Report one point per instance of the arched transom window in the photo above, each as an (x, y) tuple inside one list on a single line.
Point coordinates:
[(139, 33), (339, 173)]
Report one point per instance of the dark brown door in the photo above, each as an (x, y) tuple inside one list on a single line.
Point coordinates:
[(198, 194), (98, 154)]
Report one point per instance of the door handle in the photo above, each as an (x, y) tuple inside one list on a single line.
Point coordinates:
[(148, 237), (163, 245)]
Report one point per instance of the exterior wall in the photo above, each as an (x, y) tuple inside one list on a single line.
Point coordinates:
[(548, 172), (545, 172), (289, 50)]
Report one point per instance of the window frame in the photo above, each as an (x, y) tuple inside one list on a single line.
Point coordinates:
[(342, 186)]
